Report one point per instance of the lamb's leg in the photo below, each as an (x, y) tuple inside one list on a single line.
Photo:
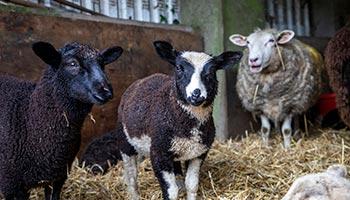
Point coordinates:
[(287, 131), (55, 192), (265, 129), (178, 174), (163, 167), (48, 192), (22, 194), (192, 178), (130, 175)]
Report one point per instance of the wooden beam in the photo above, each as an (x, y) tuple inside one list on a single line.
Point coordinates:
[(26, 3)]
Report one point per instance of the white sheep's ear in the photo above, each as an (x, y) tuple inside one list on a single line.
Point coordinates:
[(238, 40), (285, 36)]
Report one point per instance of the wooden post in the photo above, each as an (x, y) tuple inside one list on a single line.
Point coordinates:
[(289, 14), (280, 15), (123, 8), (87, 4), (154, 11), (298, 17), (271, 12), (169, 11), (138, 10), (306, 20), (105, 7)]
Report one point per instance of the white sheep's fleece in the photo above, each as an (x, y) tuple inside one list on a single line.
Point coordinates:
[(329, 185)]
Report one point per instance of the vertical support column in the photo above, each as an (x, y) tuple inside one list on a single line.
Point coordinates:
[(289, 14), (271, 12), (138, 10), (298, 17), (47, 3), (154, 11), (105, 7), (280, 15), (169, 11), (306, 20), (123, 8), (87, 4)]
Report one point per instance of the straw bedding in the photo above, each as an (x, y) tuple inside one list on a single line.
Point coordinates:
[(233, 170)]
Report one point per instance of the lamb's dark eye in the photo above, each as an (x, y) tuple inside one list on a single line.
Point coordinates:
[(271, 40), (248, 42), (179, 68)]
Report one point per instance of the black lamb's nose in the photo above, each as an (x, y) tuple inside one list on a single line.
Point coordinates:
[(196, 93)]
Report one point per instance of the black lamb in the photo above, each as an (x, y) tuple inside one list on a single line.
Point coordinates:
[(101, 154), (40, 123)]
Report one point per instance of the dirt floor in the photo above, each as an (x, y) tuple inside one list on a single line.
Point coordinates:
[(241, 169)]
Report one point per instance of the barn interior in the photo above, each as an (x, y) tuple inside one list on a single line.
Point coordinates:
[(238, 166)]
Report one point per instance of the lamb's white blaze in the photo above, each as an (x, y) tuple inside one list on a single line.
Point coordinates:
[(198, 61)]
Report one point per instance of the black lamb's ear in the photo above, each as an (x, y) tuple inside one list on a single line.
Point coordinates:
[(227, 59), (111, 54), (166, 51), (47, 53)]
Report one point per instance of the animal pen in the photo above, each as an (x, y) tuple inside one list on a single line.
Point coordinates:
[(239, 165)]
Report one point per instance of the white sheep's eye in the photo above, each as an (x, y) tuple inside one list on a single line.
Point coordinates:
[(271, 40), (248, 42)]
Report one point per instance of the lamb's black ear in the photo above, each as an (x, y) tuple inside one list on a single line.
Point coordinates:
[(46, 52), (227, 59), (166, 51), (110, 55)]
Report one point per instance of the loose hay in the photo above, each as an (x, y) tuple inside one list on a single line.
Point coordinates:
[(233, 170)]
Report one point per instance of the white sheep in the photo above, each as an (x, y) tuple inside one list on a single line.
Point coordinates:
[(329, 185), (278, 78)]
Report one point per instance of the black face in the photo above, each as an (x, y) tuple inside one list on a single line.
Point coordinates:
[(195, 72), (80, 69)]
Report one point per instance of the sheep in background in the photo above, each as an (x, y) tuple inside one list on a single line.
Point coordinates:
[(40, 123), (278, 78), (101, 153), (329, 185), (169, 119), (337, 59)]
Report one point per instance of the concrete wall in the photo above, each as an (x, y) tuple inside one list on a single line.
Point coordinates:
[(19, 29), (329, 16), (240, 16), (206, 18)]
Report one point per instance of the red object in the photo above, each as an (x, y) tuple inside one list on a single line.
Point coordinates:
[(326, 103)]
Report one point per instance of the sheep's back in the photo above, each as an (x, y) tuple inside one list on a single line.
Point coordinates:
[(142, 101), (337, 59), (14, 100), (286, 91)]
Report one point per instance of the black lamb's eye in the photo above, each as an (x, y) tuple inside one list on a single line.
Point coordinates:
[(73, 64)]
